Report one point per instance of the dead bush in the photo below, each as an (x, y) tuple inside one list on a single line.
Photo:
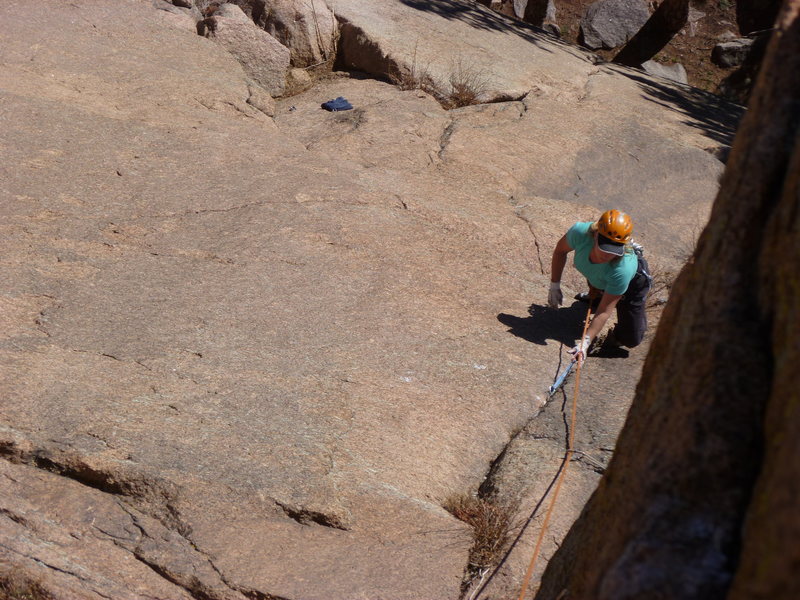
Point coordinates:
[(660, 288), (415, 77), (15, 585), (492, 522), (468, 84)]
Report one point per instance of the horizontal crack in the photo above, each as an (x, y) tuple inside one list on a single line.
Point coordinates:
[(592, 464), (342, 201), (14, 516), (306, 516), (204, 211), (132, 485), (42, 563), (111, 356)]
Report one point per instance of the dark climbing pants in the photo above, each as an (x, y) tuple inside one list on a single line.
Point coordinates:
[(631, 316)]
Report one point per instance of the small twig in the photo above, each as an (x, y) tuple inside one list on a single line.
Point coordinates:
[(480, 583), (590, 459), (315, 65)]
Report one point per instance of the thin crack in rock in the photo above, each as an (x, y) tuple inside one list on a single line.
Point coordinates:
[(111, 356), (444, 139), (40, 325), (535, 239), (198, 589), (587, 86), (188, 581), (42, 563), (14, 516)]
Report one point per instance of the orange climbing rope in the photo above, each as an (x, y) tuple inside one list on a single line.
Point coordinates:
[(563, 472)]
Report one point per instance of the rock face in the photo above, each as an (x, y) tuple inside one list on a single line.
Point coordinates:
[(249, 356), (732, 53), (700, 498), (610, 23), (674, 72), (263, 58), (385, 37), (307, 28), (535, 12)]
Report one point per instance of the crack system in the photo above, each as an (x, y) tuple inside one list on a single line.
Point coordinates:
[(489, 489), (110, 484), (139, 489)]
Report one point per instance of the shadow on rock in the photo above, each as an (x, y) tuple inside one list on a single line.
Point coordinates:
[(610, 350), (714, 116), (481, 18), (563, 325)]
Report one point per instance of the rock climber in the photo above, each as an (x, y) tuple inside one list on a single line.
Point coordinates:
[(617, 274)]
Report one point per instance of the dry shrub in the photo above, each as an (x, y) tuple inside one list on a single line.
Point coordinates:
[(660, 288), (492, 522), (468, 84), (415, 77), (15, 585), (663, 280)]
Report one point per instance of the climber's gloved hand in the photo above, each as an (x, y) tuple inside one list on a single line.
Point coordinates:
[(555, 298), (581, 349)]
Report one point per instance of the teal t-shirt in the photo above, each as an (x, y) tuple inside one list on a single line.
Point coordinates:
[(612, 277)]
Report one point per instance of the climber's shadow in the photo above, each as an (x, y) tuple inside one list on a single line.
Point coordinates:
[(562, 325)]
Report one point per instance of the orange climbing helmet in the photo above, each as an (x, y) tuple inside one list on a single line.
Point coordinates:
[(616, 226)]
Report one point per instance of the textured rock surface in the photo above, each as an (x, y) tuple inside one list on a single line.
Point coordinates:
[(384, 36), (264, 351), (307, 27), (610, 23), (732, 53), (674, 72), (263, 57), (557, 84), (532, 460)]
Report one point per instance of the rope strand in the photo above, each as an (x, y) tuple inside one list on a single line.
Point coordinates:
[(563, 472)]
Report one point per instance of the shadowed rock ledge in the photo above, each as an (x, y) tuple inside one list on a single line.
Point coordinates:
[(247, 356)]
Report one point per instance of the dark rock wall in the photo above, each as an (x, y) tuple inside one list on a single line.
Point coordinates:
[(756, 15), (700, 498)]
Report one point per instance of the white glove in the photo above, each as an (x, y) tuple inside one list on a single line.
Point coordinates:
[(580, 349), (555, 298)]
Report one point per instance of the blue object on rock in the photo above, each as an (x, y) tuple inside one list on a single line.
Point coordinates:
[(337, 105)]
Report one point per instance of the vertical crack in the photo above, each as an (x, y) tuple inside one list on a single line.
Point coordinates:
[(444, 140), (518, 212)]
